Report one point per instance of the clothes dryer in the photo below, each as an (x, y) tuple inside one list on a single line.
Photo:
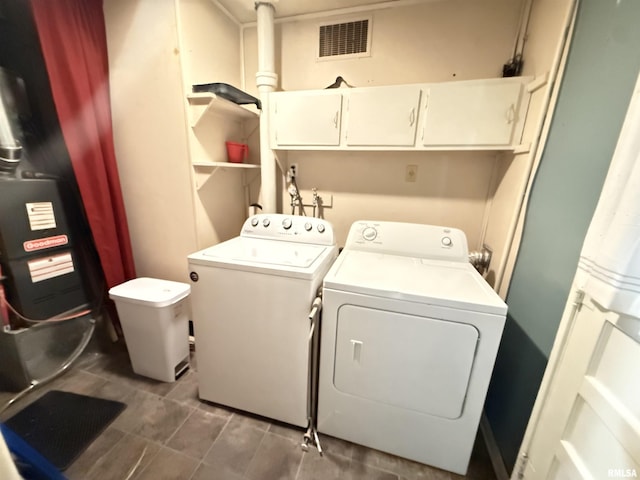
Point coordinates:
[(410, 332)]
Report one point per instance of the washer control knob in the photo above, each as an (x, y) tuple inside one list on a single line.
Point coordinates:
[(286, 223), (266, 222), (446, 241), (369, 234), (308, 226), (254, 222), (321, 228)]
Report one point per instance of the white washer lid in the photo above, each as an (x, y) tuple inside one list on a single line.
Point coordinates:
[(268, 256), (437, 282), (150, 291)]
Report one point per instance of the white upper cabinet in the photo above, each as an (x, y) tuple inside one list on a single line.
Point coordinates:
[(305, 118), (483, 113), (383, 116)]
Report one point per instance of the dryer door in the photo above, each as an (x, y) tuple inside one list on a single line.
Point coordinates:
[(417, 363)]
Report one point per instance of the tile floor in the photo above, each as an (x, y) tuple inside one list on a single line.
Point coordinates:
[(173, 435)]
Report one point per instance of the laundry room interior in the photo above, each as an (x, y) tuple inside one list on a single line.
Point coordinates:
[(382, 282)]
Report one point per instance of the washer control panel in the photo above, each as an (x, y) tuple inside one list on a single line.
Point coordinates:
[(292, 228), (409, 239)]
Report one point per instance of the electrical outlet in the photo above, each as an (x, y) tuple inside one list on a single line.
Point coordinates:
[(411, 173), (293, 168)]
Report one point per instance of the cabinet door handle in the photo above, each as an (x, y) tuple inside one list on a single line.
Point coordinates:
[(511, 114), (335, 119), (412, 116)]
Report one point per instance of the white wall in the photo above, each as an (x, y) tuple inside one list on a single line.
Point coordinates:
[(543, 48), (451, 188), (149, 134), (157, 50), (435, 41), (210, 46)]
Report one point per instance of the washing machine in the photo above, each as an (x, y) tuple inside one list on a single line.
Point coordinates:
[(409, 336), (251, 300)]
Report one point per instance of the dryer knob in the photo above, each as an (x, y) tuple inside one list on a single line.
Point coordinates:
[(308, 226), (321, 228), (254, 222), (266, 222), (446, 241), (286, 223)]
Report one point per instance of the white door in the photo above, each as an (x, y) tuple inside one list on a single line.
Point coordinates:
[(383, 116), (473, 113), (306, 119), (589, 404)]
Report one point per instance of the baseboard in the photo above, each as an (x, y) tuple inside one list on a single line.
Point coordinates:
[(492, 447)]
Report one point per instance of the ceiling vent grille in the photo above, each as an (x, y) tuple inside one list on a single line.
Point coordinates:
[(341, 39)]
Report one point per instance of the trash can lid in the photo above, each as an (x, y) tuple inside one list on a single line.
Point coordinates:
[(150, 291)]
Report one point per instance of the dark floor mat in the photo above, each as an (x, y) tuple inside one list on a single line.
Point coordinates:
[(61, 425)]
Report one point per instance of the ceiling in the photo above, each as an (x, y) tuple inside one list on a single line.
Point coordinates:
[(244, 10)]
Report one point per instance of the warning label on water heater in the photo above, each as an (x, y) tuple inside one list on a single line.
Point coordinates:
[(41, 216), (47, 242)]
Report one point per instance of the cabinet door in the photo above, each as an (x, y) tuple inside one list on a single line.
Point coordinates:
[(306, 118), (482, 113), (384, 116)]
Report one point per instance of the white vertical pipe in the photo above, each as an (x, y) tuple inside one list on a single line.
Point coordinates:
[(6, 134), (10, 149), (266, 43), (266, 81)]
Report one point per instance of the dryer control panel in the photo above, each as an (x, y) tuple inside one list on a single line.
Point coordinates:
[(409, 239), (292, 228)]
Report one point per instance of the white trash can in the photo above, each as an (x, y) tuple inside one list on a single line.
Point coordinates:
[(154, 315)]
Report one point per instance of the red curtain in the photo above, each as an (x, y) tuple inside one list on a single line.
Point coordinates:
[(73, 40)]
